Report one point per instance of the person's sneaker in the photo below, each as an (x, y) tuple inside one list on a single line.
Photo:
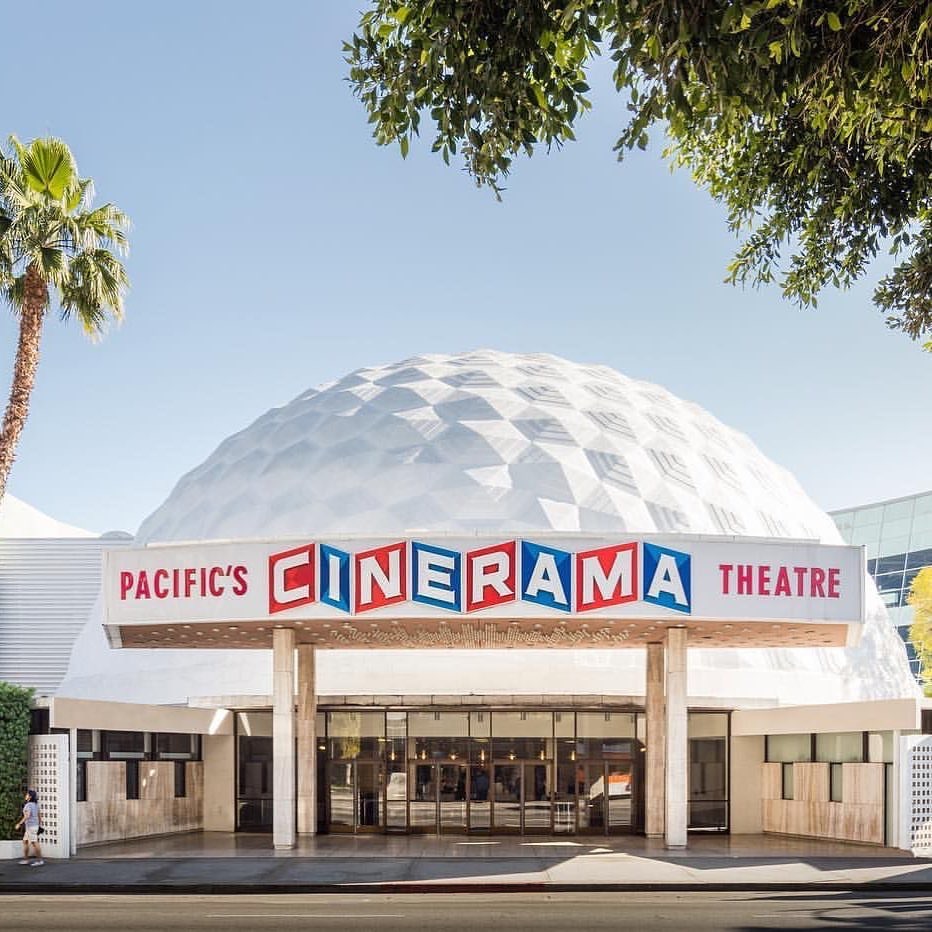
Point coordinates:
[(24, 861), (38, 863)]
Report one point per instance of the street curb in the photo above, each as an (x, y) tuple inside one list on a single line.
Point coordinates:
[(234, 889)]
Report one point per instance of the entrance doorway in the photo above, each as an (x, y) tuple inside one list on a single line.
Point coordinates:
[(605, 794), (521, 797), (438, 798), (254, 771), (355, 789)]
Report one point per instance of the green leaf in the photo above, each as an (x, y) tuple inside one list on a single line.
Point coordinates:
[(834, 23)]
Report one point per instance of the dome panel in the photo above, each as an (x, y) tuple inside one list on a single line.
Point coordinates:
[(499, 444)]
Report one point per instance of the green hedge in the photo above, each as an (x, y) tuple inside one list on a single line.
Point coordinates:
[(14, 748)]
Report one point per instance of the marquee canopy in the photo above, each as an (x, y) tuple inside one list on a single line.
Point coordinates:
[(545, 590)]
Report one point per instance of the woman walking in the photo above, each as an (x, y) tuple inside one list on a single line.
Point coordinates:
[(31, 822)]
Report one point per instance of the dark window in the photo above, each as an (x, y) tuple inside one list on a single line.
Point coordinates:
[(123, 745), (38, 721), (181, 789), (891, 582), (177, 747), (81, 781), (891, 564), (918, 559), (787, 781), (85, 742), (132, 779)]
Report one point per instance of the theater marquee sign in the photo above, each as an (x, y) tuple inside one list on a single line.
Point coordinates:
[(545, 590)]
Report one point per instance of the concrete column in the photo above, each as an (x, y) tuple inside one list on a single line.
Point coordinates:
[(656, 750), (676, 816), (283, 781), (896, 837), (73, 791), (307, 741)]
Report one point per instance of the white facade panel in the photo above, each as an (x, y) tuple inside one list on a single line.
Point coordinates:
[(47, 589)]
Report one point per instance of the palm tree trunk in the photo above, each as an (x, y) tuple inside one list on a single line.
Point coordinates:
[(31, 318)]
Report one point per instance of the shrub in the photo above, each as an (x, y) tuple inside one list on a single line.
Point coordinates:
[(14, 748)]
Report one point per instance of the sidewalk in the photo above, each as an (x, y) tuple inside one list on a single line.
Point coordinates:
[(208, 863)]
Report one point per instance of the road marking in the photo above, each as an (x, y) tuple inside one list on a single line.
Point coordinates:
[(305, 916)]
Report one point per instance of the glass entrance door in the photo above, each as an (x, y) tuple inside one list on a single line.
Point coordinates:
[(438, 801), (355, 797), (522, 797), (605, 797)]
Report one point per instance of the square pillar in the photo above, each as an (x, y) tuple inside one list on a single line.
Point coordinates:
[(307, 741), (283, 734), (676, 783), (655, 767)]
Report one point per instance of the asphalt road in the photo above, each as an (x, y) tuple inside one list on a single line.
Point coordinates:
[(449, 912)]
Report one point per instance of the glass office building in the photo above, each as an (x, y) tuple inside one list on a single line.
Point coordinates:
[(897, 537)]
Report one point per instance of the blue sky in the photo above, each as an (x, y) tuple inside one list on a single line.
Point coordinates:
[(276, 247)]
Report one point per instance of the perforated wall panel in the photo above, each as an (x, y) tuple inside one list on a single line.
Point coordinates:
[(48, 776), (916, 794)]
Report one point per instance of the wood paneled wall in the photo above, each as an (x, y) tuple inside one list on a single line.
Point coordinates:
[(859, 817), (108, 815)]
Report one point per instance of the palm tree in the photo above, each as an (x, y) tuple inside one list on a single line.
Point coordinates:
[(53, 247)]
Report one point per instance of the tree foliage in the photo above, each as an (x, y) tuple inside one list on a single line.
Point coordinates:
[(920, 632), (810, 122), (54, 247), (14, 750)]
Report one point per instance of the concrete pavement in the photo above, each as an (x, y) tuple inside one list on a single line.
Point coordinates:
[(209, 863)]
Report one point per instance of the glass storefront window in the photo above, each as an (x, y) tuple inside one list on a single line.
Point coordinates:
[(789, 748), (522, 724), (438, 724), (480, 750), (349, 748), (880, 747), (605, 724), (564, 724), (355, 734), (480, 724), (521, 748), (842, 747), (707, 724), (443, 748), (356, 724), (566, 750), (254, 724)]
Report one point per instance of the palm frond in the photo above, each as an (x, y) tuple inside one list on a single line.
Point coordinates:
[(94, 290), (49, 168), (47, 222)]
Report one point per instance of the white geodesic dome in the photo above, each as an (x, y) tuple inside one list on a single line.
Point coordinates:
[(492, 442)]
